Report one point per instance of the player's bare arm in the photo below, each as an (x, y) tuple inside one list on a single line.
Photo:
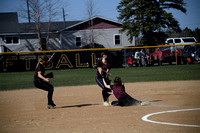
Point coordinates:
[(43, 78), (108, 71), (107, 86)]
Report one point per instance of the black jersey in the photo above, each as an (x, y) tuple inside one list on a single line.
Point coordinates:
[(104, 66), (39, 69)]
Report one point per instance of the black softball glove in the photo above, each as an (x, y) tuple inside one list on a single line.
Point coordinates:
[(49, 75)]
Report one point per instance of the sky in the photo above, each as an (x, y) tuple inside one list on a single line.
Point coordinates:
[(76, 10)]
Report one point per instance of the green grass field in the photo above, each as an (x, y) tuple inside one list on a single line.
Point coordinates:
[(74, 77)]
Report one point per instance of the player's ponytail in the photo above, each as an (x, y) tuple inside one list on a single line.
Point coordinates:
[(43, 58)]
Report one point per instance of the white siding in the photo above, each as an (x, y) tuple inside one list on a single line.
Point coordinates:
[(101, 36)]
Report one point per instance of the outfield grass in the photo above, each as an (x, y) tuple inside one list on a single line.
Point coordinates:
[(74, 77)]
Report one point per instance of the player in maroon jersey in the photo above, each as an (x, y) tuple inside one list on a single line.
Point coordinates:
[(103, 68), (43, 82), (119, 91)]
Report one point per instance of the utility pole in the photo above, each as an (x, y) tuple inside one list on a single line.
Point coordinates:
[(64, 17), (29, 18)]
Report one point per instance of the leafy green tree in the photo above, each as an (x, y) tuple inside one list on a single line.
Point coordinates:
[(196, 34), (148, 18), (187, 32)]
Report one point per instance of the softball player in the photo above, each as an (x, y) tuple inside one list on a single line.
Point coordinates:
[(102, 65), (119, 91), (42, 82)]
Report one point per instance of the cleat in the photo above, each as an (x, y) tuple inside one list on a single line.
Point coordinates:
[(145, 103), (50, 107), (106, 103), (53, 104)]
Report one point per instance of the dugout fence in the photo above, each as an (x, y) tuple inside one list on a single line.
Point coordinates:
[(69, 59)]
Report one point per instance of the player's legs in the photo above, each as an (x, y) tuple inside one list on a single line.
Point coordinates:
[(128, 101), (47, 87), (105, 95), (100, 81), (115, 103)]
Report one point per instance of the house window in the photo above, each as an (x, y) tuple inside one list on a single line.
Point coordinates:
[(117, 39), (13, 40), (78, 41)]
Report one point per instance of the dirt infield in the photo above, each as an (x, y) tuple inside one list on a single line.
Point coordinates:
[(79, 110)]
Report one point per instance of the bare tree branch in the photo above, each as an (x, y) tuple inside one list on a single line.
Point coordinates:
[(42, 11), (91, 12)]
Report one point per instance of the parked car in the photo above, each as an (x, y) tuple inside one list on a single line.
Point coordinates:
[(180, 40), (166, 54), (191, 54)]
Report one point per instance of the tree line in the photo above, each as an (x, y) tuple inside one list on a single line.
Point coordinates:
[(186, 33)]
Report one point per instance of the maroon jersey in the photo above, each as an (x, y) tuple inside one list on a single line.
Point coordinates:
[(119, 92), (103, 66)]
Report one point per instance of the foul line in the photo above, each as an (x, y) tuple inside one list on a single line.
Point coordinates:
[(145, 118)]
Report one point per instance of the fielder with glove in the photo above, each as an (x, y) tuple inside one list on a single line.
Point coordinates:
[(103, 69), (42, 81)]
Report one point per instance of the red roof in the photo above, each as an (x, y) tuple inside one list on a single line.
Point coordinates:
[(98, 23)]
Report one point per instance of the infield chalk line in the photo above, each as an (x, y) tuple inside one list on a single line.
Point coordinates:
[(145, 118)]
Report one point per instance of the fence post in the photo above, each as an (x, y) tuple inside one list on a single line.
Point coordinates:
[(124, 51), (176, 55)]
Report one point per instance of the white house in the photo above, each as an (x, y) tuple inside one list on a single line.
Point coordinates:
[(94, 32)]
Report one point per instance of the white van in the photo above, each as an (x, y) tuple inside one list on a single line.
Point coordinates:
[(180, 40)]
